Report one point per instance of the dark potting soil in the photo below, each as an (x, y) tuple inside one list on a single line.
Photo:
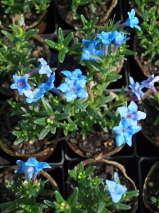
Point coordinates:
[(64, 8), (150, 130), (106, 171), (29, 18), (6, 195), (96, 143)]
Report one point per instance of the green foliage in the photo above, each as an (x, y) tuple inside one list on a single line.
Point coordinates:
[(25, 193), (13, 7), (62, 44), (14, 53), (90, 195), (149, 35), (76, 3), (155, 200)]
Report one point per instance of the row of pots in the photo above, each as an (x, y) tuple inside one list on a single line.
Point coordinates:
[(150, 187)]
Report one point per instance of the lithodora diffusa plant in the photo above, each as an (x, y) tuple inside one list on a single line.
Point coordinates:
[(84, 103), (26, 191), (149, 36), (15, 50), (14, 7), (92, 195)]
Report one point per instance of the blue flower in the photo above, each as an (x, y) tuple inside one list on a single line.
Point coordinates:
[(135, 88), (91, 51), (38, 166), (44, 68), (30, 168), (107, 37), (20, 84), (44, 87), (74, 89), (25, 169), (33, 96), (116, 190), (119, 39), (132, 21), (74, 75), (149, 83), (125, 131), (131, 113), (88, 43)]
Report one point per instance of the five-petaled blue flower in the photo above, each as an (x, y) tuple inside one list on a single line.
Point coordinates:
[(44, 87), (91, 50), (31, 167), (125, 131), (132, 21), (33, 96), (20, 84), (119, 39), (74, 89), (131, 113), (116, 190), (44, 68), (135, 88), (149, 83), (23, 168), (107, 37), (74, 75)]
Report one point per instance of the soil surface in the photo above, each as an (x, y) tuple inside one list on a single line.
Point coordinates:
[(66, 13)]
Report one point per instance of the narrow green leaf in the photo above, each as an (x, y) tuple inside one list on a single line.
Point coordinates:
[(72, 174), (49, 203), (61, 56), (43, 133), (73, 197), (40, 121), (61, 116), (8, 35), (47, 106), (68, 39), (52, 44), (30, 33), (59, 198), (101, 206)]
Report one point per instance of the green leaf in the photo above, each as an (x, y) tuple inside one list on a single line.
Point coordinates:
[(68, 39), (120, 206), (113, 78), (17, 133), (101, 206), (30, 33), (59, 198), (89, 170), (8, 35), (17, 141), (47, 106), (61, 56), (73, 197), (40, 121), (49, 203), (52, 44), (72, 174), (43, 133), (79, 104), (61, 116)]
